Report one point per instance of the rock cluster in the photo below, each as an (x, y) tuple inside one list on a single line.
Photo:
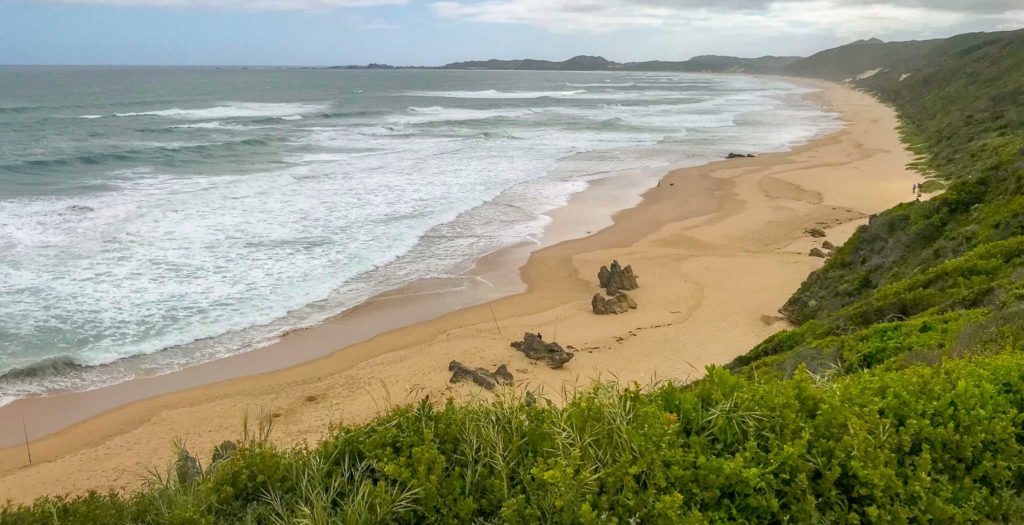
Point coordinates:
[(619, 304), (615, 279), (535, 348), (740, 156), (817, 233), (480, 376)]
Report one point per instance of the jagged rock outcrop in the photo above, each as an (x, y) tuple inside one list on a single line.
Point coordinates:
[(535, 348), (816, 252), (740, 156), (619, 304), (817, 233), (481, 376), (186, 467), (223, 452), (828, 246), (615, 279)]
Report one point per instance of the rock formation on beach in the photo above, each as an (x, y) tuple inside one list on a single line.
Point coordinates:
[(480, 376), (615, 279), (740, 156), (619, 304), (816, 252), (817, 233), (186, 467), (828, 246), (535, 348)]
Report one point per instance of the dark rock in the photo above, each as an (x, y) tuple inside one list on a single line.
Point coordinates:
[(619, 304), (740, 156), (223, 452), (502, 375), (828, 246), (535, 348), (616, 278), (187, 468), (817, 233), (480, 376), (816, 252)]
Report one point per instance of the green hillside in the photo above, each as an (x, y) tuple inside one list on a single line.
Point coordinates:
[(954, 261), (898, 398)]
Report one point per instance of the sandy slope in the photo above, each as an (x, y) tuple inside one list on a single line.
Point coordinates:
[(718, 249)]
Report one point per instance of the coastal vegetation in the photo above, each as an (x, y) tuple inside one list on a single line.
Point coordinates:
[(898, 397)]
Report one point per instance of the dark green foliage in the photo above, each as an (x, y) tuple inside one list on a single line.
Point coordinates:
[(919, 444)]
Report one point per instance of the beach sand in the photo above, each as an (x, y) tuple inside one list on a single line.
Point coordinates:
[(718, 248)]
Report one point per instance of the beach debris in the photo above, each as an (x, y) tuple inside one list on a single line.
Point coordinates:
[(480, 376), (740, 156), (816, 252), (535, 348), (817, 233), (619, 304), (616, 278), (186, 467), (828, 246)]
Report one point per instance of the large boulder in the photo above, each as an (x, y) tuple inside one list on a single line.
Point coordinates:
[(615, 279), (816, 252), (619, 304), (739, 156), (480, 376), (817, 233), (535, 348)]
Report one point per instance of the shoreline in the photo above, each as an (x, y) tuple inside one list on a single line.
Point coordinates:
[(698, 240), (491, 276)]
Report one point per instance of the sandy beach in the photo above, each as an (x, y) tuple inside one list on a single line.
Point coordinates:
[(718, 249)]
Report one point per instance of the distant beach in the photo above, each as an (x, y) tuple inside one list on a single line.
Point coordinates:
[(718, 248)]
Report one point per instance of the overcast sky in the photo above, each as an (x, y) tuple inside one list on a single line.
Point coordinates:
[(426, 32)]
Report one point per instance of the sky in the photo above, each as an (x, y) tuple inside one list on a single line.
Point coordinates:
[(435, 32)]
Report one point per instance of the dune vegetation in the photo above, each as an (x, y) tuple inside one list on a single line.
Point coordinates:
[(898, 397)]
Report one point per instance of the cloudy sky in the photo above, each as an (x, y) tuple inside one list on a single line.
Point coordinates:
[(432, 32)]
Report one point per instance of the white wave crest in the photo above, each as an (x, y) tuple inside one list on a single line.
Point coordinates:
[(233, 110), (492, 93)]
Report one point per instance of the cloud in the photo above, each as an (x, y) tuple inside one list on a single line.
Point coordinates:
[(247, 5), (845, 18)]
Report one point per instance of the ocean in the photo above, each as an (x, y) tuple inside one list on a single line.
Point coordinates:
[(155, 218)]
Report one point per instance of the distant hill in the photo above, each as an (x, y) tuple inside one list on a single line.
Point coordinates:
[(865, 58), (578, 63), (705, 63)]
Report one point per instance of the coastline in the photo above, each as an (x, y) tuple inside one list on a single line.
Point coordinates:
[(717, 247)]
